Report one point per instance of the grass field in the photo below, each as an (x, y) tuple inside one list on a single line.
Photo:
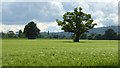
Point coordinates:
[(0, 53), (49, 52)]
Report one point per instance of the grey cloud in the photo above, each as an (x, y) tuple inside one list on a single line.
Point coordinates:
[(119, 13), (68, 6), (108, 22), (21, 12)]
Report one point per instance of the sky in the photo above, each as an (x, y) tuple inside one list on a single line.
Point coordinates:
[(15, 14)]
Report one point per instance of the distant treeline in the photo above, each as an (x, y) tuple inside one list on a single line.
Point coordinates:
[(108, 35)]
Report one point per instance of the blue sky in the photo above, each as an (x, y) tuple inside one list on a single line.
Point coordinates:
[(15, 15)]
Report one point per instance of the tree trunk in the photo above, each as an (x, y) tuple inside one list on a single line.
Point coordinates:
[(76, 39)]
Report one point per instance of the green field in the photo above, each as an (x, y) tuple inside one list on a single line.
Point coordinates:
[(0, 53), (52, 52)]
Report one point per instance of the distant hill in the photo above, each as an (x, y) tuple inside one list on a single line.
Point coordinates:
[(68, 35), (101, 30)]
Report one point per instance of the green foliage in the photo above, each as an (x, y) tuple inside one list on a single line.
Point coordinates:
[(83, 36), (20, 34), (52, 52), (110, 34), (10, 34), (118, 36), (31, 31), (77, 22), (99, 37), (0, 53), (91, 36)]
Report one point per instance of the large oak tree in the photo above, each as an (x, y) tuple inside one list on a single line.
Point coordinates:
[(77, 22)]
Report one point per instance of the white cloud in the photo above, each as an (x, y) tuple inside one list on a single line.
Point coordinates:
[(99, 14), (15, 28), (58, 7), (98, 23), (51, 26), (59, 0), (104, 12), (114, 17)]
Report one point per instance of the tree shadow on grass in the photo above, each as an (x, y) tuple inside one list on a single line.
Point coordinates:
[(69, 41)]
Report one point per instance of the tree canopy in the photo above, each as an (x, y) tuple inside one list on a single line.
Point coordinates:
[(10, 34), (77, 22), (110, 34), (31, 31), (20, 33)]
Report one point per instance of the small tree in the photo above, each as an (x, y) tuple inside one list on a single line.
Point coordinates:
[(20, 33), (118, 37), (110, 34), (77, 22), (48, 32), (10, 34), (31, 31)]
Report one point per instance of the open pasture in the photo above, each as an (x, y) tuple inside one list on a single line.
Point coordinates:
[(53, 52)]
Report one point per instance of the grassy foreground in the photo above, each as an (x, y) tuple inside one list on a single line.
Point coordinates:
[(0, 52), (49, 52)]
